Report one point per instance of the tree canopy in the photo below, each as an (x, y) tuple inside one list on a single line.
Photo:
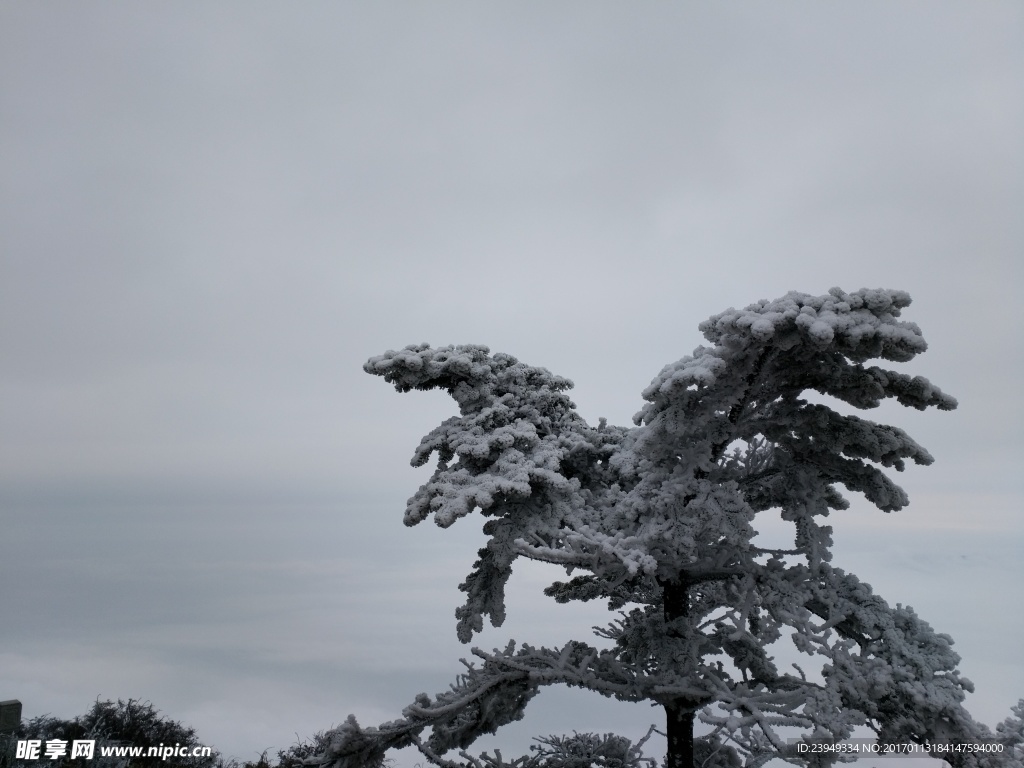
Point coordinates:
[(657, 520)]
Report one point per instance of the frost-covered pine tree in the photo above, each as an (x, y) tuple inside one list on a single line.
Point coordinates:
[(658, 521)]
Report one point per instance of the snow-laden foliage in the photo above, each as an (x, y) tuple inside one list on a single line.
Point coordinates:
[(658, 519), (1010, 733), (125, 723)]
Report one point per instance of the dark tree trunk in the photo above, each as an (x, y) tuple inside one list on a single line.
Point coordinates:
[(679, 728), (678, 713)]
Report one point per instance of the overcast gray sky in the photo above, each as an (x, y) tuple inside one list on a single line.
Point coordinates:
[(213, 213)]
